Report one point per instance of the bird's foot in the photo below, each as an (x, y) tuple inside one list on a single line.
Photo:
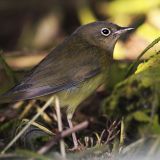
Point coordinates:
[(76, 148)]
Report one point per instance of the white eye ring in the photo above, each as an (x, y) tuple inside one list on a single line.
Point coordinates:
[(105, 32)]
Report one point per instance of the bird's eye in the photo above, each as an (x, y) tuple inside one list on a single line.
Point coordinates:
[(105, 32)]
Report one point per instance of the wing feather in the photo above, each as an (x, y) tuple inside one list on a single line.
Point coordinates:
[(62, 69)]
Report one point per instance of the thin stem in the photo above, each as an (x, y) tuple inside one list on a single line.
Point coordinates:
[(60, 127)]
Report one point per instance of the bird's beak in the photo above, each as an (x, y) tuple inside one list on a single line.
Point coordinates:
[(123, 30)]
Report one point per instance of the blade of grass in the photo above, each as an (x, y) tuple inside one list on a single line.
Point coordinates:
[(44, 129), (134, 65), (122, 133)]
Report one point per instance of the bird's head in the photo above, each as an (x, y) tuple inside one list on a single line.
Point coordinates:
[(101, 34)]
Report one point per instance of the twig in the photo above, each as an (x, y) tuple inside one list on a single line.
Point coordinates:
[(112, 137), (111, 130), (28, 125), (60, 127), (61, 135)]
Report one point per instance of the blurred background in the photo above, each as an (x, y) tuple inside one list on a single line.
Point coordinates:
[(36, 25)]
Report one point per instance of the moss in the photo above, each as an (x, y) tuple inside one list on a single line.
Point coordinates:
[(137, 97)]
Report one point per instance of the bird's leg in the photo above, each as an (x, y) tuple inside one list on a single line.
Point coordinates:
[(73, 134)]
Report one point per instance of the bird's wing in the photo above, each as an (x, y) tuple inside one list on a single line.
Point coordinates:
[(62, 69)]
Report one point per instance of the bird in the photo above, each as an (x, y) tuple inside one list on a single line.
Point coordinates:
[(73, 70)]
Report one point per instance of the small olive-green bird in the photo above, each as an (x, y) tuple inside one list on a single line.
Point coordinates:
[(74, 69)]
